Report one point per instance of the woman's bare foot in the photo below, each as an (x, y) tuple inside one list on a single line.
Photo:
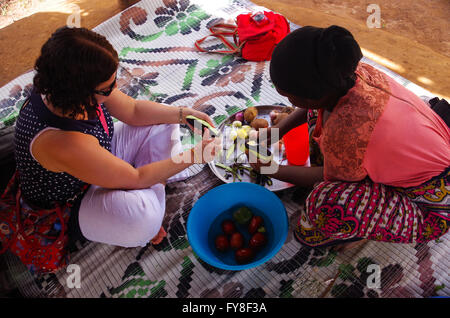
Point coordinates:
[(351, 245), (159, 237)]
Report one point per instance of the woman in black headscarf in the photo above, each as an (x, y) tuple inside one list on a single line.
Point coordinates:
[(381, 146)]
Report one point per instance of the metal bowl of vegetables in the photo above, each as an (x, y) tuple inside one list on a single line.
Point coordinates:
[(231, 164)]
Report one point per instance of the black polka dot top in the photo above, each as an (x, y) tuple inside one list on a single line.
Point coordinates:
[(39, 185)]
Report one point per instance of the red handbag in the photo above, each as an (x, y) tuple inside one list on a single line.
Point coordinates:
[(255, 35), (37, 236)]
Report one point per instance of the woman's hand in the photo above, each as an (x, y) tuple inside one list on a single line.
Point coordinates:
[(206, 150), (186, 111), (273, 134), (282, 123), (266, 136), (277, 117), (258, 164)]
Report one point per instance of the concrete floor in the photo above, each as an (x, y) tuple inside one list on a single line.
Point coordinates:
[(398, 49)]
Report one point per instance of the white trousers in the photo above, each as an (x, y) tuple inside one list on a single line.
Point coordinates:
[(131, 218)]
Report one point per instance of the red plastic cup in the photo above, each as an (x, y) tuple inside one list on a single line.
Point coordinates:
[(296, 144)]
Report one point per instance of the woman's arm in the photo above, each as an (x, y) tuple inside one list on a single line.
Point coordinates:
[(298, 175), (276, 132), (85, 159), (295, 119), (143, 112), (302, 176)]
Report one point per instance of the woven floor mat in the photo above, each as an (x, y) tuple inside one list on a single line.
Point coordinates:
[(158, 62), (171, 269)]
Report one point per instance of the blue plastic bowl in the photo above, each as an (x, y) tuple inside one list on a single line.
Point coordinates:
[(218, 204)]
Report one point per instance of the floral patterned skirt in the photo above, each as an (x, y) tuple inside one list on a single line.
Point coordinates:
[(342, 211)]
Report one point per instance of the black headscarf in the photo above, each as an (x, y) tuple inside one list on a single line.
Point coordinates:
[(312, 62)]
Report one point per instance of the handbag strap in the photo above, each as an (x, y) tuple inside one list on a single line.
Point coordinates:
[(220, 28), (12, 184), (58, 211), (220, 31)]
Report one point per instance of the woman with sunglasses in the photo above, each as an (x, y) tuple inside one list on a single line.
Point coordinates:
[(66, 140)]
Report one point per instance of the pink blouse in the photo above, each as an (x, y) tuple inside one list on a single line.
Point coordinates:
[(382, 130)]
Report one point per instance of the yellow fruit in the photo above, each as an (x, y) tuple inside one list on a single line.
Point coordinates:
[(242, 134), (247, 128), (237, 124), (233, 134)]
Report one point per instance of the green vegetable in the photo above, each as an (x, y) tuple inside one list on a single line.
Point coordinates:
[(243, 215), (262, 229), (191, 119), (230, 151), (218, 164), (269, 181), (233, 171)]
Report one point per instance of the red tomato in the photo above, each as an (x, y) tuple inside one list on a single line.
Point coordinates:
[(255, 223), (236, 240), (222, 243), (257, 241), (228, 227), (244, 255)]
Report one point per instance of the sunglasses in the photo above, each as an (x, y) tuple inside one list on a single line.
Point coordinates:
[(107, 91)]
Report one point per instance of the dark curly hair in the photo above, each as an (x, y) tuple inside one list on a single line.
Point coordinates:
[(73, 62)]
